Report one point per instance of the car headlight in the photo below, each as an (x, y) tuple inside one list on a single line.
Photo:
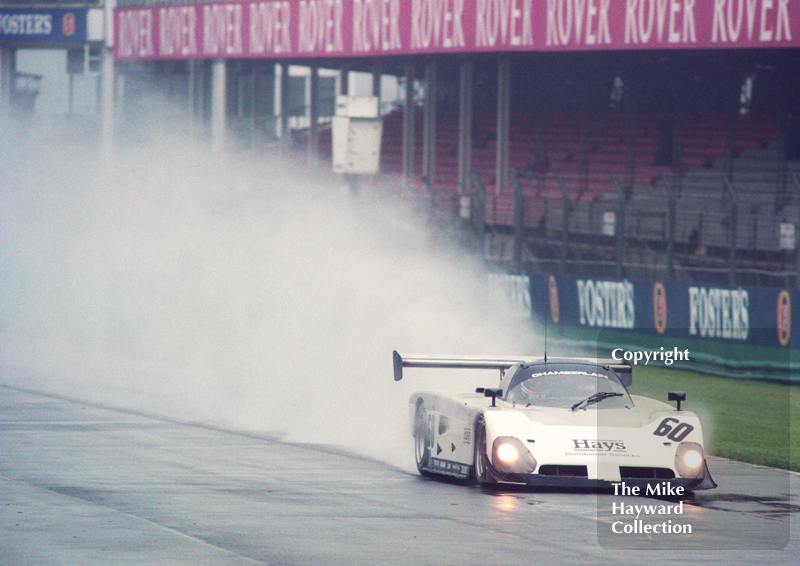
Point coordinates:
[(692, 458), (507, 453), (510, 455), (689, 460)]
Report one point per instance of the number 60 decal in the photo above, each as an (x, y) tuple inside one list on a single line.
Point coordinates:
[(676, 433)]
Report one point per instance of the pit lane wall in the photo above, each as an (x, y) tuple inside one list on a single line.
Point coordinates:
[(736, 331)]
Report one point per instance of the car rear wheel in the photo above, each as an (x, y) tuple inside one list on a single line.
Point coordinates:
[(422, 452)]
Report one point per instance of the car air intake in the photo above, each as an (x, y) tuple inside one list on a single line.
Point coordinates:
[(551, 470), (644, 473)]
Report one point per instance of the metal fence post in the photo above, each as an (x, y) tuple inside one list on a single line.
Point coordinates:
[(431, 192), (429, 124), (796, 180), (620, 223), (465, 125), (518, 220), (670, 228), (409, 126), (480, 210), (503, 123), (733, 220), (564, 222)]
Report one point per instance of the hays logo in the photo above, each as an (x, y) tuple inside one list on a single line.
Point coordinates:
[(584, 445)]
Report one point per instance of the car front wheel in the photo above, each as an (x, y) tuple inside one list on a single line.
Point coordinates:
[(483, 474)]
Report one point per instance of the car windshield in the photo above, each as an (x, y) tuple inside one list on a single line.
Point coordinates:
[(565, 385)]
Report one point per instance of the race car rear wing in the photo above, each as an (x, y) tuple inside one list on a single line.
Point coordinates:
[(623, 369), (451, 362)]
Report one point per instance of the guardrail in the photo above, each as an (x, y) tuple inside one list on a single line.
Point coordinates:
[(720, 235)]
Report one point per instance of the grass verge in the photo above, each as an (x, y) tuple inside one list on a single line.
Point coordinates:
[(751, 421)]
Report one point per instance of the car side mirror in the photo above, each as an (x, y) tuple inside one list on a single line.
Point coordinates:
[(490, 392), (677, 396)]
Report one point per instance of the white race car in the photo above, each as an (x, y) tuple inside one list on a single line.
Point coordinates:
[(555, 422)]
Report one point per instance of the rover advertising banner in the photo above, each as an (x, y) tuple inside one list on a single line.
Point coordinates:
[(348, 28)]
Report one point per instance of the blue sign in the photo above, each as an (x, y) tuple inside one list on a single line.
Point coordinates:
[(48, 25), (734, 315), (735, 331)]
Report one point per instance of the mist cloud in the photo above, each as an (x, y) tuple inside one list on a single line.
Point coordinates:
[(241, 290)]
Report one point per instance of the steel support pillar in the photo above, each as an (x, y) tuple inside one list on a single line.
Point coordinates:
[(107, 89), (218, 104), (108, 96), (193, 106), (6, 81), (429, 126), (376, 82), (6, 84), (283, 101), (503, 123), (344, 80), (465, 127), (409, 135), (313, 113)]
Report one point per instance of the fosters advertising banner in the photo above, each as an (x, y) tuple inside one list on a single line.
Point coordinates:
[(736, 328), (27, 25), (744, 315), (347, 28)]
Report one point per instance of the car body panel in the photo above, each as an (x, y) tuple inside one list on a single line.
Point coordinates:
[(587, 447)]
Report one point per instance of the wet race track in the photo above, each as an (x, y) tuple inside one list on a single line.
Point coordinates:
[(89, 485)]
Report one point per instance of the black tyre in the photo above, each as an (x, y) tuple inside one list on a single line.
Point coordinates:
[(422, 440), (483, 474)]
